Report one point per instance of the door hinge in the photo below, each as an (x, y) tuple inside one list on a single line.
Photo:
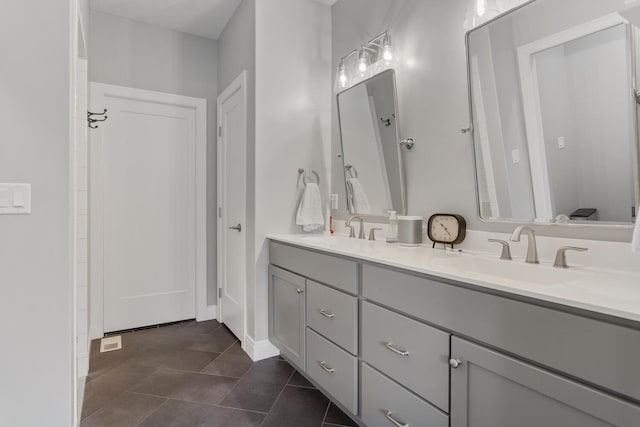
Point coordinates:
[(220, 131), (220, 212), (219, 292)]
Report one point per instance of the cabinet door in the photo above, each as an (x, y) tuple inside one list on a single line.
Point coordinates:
[(489, 389), (287, 314)]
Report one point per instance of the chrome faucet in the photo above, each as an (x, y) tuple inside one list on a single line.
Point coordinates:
[(532, 250), (352, 233)]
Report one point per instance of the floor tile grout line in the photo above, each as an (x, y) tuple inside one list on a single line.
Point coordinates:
[(198, 402), (114, 397), (166, 399), (326, 411), (279, 395), (244, 375), (193, 372)]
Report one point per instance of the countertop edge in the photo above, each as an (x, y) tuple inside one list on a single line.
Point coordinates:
[(466, 280)]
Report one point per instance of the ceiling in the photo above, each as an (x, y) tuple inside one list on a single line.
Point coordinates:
[(204, 18)]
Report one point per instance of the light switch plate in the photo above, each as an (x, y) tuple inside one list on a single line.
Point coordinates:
[(561, 143), (515, 156), (334, 202), (5, 198), (15, 199)]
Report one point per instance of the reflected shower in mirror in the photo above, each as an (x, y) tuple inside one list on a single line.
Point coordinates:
[(370, 150), (554, 113)]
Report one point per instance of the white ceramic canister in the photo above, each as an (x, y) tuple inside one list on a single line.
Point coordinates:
[(410, 230)]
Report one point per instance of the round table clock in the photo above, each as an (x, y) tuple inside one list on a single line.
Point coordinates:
[(448, 229)]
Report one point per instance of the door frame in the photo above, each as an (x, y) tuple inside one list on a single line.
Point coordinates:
[(239, 83), (96, 212)]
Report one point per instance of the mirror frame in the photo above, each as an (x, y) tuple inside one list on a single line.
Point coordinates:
[(403, 186), (578, 226)]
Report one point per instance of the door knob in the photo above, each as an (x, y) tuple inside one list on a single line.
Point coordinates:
[(238, 228), (454, 363)]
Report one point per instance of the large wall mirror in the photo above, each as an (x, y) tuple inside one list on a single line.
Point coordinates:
[(371, 153), (554, 112)]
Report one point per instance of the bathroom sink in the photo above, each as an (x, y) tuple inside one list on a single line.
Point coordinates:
[(512, 271)]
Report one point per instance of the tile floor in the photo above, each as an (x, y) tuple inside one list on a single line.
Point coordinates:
[(195, 374)]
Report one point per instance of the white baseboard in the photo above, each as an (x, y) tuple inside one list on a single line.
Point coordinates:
[(259, 350), (211, 313)]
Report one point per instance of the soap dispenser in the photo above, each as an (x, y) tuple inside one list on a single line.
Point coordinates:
[(392, 231)]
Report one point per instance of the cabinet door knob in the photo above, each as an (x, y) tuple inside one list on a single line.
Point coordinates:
[(395, 422), (454, 363), (299, 291), (326, 368)]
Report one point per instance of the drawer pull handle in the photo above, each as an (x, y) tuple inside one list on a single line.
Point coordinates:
[(454, 363), (395, 422), (396, 350), (325, 313), (326, 368)]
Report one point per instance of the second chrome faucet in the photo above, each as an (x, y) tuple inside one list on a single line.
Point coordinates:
[(532, 248)]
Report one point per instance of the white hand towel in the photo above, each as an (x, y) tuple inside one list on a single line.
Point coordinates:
[(310, 209), (635, 243), (359, 197)]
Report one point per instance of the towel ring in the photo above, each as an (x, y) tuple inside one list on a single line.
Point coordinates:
[(304, 176)]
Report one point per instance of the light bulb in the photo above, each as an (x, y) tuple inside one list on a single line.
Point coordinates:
[(387, 54), (481, 7), (342, 75), (362, 61)]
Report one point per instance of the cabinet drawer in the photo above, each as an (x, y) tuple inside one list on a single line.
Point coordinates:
[(383, 399), (593, 350), (414, 354), (333, 369), (332, 314), (339, 273)]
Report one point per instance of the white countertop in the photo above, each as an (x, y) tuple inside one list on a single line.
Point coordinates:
[(610, 292)]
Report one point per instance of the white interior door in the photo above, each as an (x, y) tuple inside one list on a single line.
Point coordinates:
[(145, 210), (232, 195)]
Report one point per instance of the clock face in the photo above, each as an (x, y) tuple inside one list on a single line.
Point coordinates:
[(446, 228)]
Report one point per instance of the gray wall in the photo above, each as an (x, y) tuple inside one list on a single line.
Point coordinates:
[(129, 53), (35, 261), (237, 52), (293, 87)]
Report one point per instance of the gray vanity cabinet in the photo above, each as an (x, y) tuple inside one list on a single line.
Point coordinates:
[(489, 389), (386, 345), (287, 314)]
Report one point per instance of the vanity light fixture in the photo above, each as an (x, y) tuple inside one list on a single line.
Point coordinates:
[(371, 58), (342, 75), (362, 61), (387, 53)]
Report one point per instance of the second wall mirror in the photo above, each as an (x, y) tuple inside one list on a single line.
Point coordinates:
[(554, 106)]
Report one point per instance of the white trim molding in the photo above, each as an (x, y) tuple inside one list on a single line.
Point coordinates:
[(259, 350)]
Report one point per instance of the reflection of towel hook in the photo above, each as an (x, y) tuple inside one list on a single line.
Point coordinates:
[(91, 120), (304, 176)]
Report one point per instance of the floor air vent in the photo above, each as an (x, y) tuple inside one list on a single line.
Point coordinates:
[(110, 344)]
